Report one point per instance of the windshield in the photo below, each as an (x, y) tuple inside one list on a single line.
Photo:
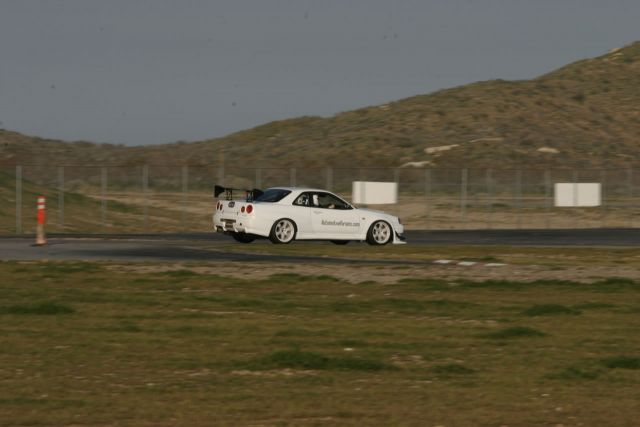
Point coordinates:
[(272, 195)]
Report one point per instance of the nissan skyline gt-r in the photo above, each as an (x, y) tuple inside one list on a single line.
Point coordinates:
[(285, 214)]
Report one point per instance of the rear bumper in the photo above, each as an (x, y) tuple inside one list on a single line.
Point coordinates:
[(236, 225), (223, 225)]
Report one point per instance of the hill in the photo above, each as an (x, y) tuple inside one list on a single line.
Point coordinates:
[(584, 115)]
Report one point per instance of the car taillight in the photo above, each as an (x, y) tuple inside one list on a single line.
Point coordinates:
[(249, 209), (242, 209)]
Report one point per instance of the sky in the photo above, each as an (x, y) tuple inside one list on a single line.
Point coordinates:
[(140, 72)]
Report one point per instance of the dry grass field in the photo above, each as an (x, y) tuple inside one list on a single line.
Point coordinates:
[(103, 344)]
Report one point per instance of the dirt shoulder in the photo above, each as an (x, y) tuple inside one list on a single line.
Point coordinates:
[(394, 273)]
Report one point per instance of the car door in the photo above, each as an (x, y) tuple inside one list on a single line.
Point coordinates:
[(300, 212), (332, 217)]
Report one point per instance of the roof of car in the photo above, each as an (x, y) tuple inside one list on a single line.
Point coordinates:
[(296, 189)]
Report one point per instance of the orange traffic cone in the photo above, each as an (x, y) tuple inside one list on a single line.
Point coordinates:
[(40, 236)]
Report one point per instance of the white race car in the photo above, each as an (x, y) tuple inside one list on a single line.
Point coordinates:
[(285, 214)]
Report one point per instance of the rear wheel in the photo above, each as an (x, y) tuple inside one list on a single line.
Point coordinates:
[(283, 231), (339, 242), (243, 237), (379, 233)]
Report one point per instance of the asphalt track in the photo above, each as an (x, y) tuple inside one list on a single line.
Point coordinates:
[(200, 247)]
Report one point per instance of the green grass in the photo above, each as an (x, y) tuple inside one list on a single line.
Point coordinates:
[(593, 306), (607, 285), (622, 362), (70, 268), (515, 332), (573, 373), (548, 310), (483, 259), (179, 273), (452, 369), (96, 344), (46, 308), (297, 359)]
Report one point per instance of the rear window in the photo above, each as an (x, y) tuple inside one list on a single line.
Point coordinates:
[(272, 195)]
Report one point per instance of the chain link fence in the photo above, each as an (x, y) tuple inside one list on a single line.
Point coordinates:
[(178, 198)]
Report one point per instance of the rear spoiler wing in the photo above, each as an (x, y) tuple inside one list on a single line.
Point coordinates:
[(228, 192)]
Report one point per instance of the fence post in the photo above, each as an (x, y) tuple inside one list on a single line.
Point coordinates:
[(329, 172), (518, 199), (221, 175), (292, 177), (463, 195), (363, 193), (145, 186), (185, 190), (547, 197), (103, 197), (258, 178), (396, 179), (61, 198), (427, 196), (221, 164), (488, 182), (603, 204), (574, 177), (18, 199), (630, 191)]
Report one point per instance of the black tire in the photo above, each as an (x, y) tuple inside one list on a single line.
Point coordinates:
[(243, 237), (283, 231), (339, 242), (380, 233)]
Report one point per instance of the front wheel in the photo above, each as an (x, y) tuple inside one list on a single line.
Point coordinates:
[(243, 237), (379, 233), (283, 231)]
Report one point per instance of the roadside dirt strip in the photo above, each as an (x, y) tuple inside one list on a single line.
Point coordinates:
[(393, 274), (434, 255)]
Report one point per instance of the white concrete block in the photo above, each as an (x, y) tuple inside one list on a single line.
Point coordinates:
[(577, 194), (375, 193)]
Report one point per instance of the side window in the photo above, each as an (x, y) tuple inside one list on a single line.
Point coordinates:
[(329, 201), (302, 200)]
